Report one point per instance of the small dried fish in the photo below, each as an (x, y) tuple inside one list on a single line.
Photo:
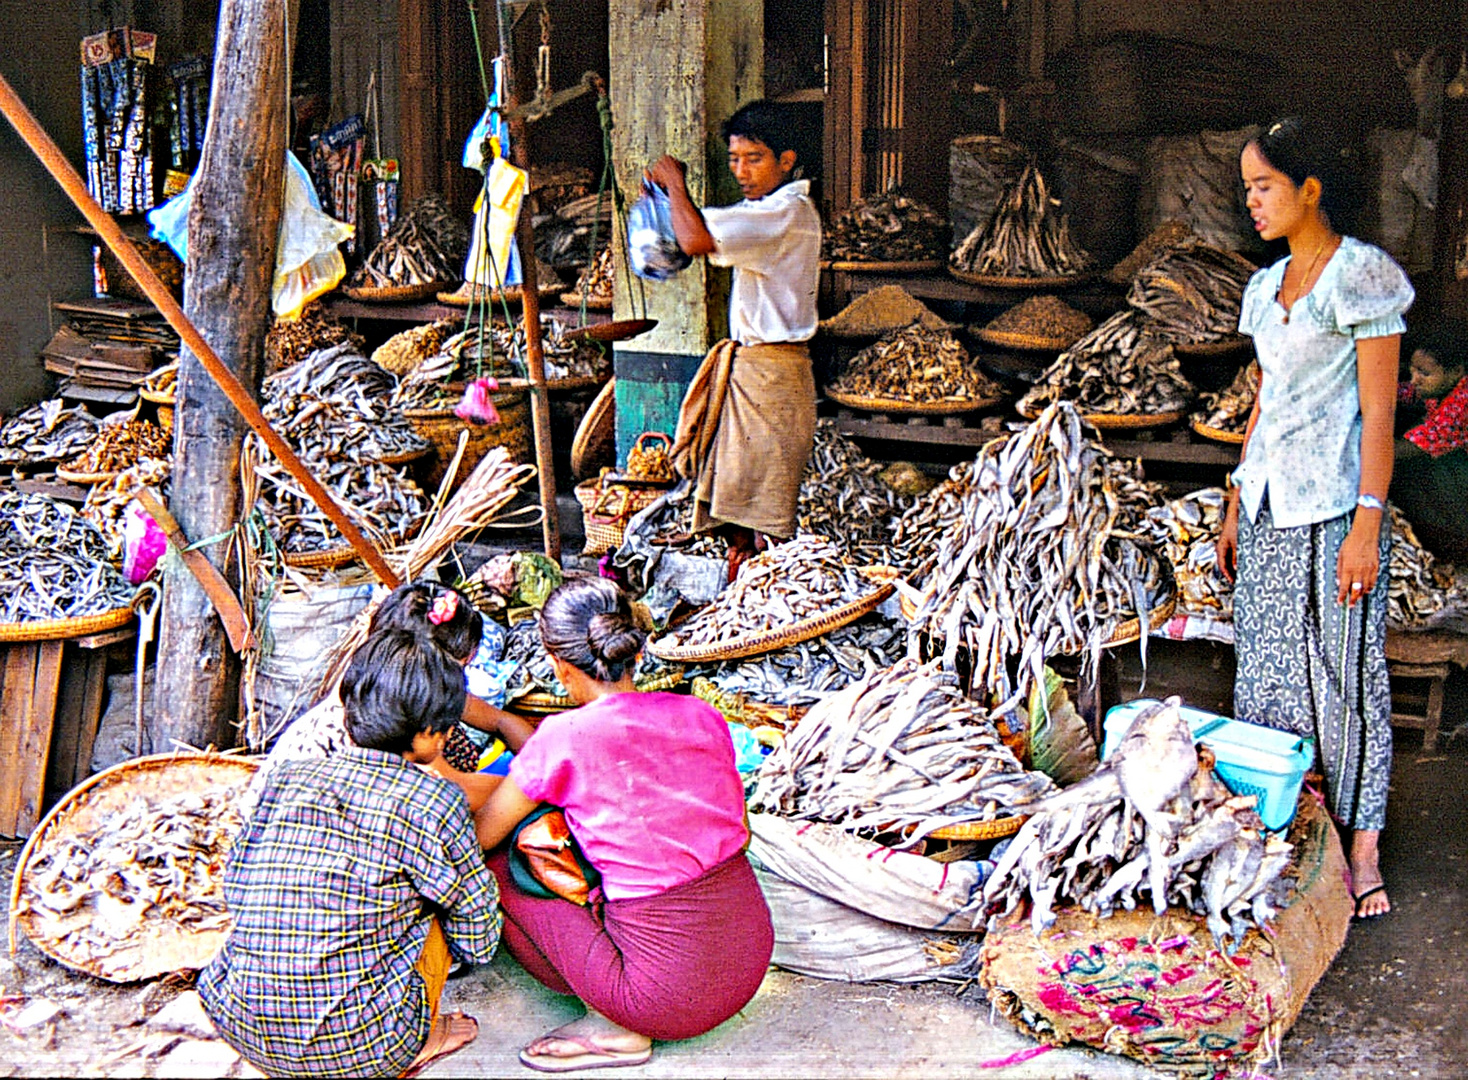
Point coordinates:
[(122, 445), (886, 228), (53, 563), (437, 381), (1229, 410), (598, 278), (1186, 531), (1420, 587), (1025, 236), (45, 433), (805, 674), (842, 497), (919, 365), (426, 245), (1118, 368), (289, 341), (1191, 293)]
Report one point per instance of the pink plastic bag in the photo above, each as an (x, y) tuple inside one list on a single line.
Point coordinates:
[(143, 543)]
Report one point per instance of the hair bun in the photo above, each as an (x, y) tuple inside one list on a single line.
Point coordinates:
[(614, 639)]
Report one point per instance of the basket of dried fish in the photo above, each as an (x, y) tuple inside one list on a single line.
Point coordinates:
[(1186, 529), (124, 878), (1228, 412), (393, 294), (1190, 295), (915, 370), (790, 593), (442, 428), (1040, 324), (888, 233), (289, 341), (1025, 244), (606, 507), (594, 286), (116, 447), (423, 250), (45, 434)]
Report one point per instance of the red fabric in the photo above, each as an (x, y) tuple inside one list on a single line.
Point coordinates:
[(1446, 426), (670, 966)]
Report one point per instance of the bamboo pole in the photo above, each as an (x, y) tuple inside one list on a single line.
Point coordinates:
[(61, 170)]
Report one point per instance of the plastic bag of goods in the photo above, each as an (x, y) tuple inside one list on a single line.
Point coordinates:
[(652, 245)]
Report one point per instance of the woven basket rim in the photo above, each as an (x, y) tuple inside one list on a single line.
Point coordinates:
[(1123, 421), (334, 557), (86, 477), (381, 294), (999, 281), (157, 397), (910, 408), (992, 829), (510, 295), (404, 457), (447, 412), (769, 640), (574, 382), (1013, 339), (1130, 631), (57, 629), (883, 266), (1232, 438), (1204, 349), (118, 773), (593, 302)]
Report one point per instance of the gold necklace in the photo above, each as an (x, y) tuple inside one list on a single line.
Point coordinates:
[(1304, 285)]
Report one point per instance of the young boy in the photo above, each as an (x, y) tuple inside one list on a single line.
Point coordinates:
[(748, 420), (1430, 482), (354, 883)]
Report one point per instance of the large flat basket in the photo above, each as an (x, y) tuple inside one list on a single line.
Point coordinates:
[(770, 640)]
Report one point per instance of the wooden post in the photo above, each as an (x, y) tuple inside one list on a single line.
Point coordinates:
[(233, 227)]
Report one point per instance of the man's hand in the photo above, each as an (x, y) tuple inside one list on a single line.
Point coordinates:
[(668, 173)]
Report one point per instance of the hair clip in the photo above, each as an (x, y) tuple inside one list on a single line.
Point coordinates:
[(445, 606), (1274, 128)]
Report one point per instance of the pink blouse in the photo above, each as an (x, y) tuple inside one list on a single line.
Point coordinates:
[(648, 785)]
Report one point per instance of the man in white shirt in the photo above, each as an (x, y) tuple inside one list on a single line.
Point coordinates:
[(748, 419)]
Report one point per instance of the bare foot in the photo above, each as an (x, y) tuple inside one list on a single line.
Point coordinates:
[(591, 1030), (1366, 880), (451, 1032)]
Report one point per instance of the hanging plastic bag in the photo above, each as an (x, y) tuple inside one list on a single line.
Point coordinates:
[(495, 216), (143, 543), (652, 246)]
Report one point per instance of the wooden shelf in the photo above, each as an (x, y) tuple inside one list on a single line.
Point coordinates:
[(344, 307), (1091, 297)]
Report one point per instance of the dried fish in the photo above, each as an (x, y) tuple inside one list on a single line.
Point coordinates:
[(289, 341), (404, 351), (805, 674), (107, 501), (1191, 293), (597, 280), (917, 533), (53, 563), (1230, 409), (118, 446), (1119, 368), (886, 228), (426, 245), (45, 433), (842, 497), (386, 505), (898, 749), (1186, 531), (918, 365), (1420, 587), (1025, 236)]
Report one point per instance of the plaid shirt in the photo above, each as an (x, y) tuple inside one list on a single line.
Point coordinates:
[(332, 886)]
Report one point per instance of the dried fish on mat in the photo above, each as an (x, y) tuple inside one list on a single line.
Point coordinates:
[(1047, 317), (289, 341), (1191, 293), (1420, 587), (881, 311), (1119, 368), (842, 497), (53, 563), (1154, 819), (425, 246), (1025, 236), (1043, 560), (807, 673), (46, 433), (886, 228), (798, 580), (154, 861), (1229, 409), (926, 367), (900, 749), (120, 446), (386, 505), (1186, 531), (107, 501)]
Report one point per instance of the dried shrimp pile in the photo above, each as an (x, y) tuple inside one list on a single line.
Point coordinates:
[(1186, 531), (1191, 293), (107, 501), (289, 342), (1047, 317), (1025, 236), (804, 674), (841, 496), (46, 432), (1152, 820), (900, 748), (1042, 561), (426, 245), (53, 563), (880, 311), (918, 365), (1419, 586), (120, 446), (1229, 410), (153, 861), (886, 228), (1119, 368), (798, 580)]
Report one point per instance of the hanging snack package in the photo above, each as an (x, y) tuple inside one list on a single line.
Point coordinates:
[(188, 110), (379, 200), (652, 246), (336, 166)]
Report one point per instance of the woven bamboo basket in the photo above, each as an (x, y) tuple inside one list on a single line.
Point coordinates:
[(405, 457), (593, 302), (770, 640), (337, 557), (1205, 349), (1124, 421), (393, 294), (606, 509), (1009, 339), (596, 437), (999, 281), (1233, 438), (73, 477), (164, 397), (163, 947), (890, 266), (510, 295), (441, 428), (59, 629), (897, 406), (993, 829)]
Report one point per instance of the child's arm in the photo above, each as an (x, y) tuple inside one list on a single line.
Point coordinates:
[(689, 227), (514, 730), (477, 787)]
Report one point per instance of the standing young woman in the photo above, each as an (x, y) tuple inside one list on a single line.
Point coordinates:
[(1310, 546)]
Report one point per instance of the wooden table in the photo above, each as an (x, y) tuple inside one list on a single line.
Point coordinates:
[(1427, 655)]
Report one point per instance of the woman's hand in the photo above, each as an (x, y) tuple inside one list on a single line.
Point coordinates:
[(668, 173), (1359, 560), (1227, 548)]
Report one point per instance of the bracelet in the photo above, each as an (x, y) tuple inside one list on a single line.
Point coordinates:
[(1370, 502)]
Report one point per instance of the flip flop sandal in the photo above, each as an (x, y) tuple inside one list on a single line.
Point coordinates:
[(1356, 915), (418, 1066), (595, 1056)]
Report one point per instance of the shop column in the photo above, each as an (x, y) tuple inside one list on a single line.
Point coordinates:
[(679, 68)]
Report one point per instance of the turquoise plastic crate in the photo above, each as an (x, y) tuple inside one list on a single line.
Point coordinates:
[(1252, 759)]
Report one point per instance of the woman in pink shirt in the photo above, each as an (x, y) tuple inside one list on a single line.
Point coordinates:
[(677, 937)]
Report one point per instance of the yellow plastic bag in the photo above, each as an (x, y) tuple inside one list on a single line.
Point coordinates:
[(308, 262), (506, 191)]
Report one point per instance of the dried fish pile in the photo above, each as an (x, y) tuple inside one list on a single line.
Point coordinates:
[(899, 748), (881, 311), (335, 405), (386, 505), (1419, 586), (573, 358), (425, 246), (45, 433), (1229, 410), (289, 342), (917, 533), (107, 501), (804, 674), (842, 497), (53, 563), (1047, 317), (1042, 561), (798, 580), (1192, 292), (120, 446), (1119, 368), (1152, 820), (1186, 531), (598, 278), (918, 365), (886, 228), (1025, 236), (153, 861)]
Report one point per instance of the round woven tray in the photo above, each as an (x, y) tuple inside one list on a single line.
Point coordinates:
[(596, 437), (57, 629), (998, 281), (617, 330), (575, 382), (593, 303), (540, 704), (1232, 438), (156, 397), (333, 558), (85, 477), (893, 266), (1124, 422), (770, 640), (163, 947), (1009, 339), (1131, 630), (510, 295), (743, 709), (981, 830), (392, 294), (909, 408), (1202, 350)]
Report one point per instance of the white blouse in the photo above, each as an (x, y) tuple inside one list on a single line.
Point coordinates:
[(774, 246), (1305, 451)]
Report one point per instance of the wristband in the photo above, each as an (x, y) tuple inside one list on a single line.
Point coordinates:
[(1370, 502)]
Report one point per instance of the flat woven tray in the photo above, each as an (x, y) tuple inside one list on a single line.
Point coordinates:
[(894, 266), (1233, 438), (392, 294), (163, 947), (1009, 339), (59, 629), (540, 704), (616, 330), (770, 640), (1202, 350), (981, 830), (998, 281), (909, 408), (1131, 630), (1122, 421), (84, 477), (575, 382), (593, 303), (510, 295)]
